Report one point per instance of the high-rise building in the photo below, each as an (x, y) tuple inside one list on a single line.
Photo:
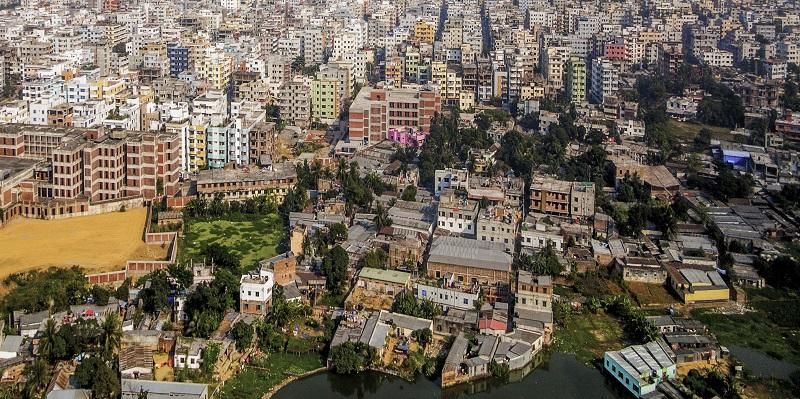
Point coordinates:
[(374, 111)]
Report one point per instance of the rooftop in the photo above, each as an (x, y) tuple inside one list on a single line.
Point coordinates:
[(392, 276), (471, 253)]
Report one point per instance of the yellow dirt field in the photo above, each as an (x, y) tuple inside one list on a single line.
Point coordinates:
[(96, 243)]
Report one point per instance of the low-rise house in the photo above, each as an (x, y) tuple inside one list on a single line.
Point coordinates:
[(132, 389), (11, 346), (189, 352), (136, 353), (403, 325), (283, 267), (455, 321), (472, 262), (448, 295), (469, 360), (640, 368), (695, 284), (384, 282), (642, 269)]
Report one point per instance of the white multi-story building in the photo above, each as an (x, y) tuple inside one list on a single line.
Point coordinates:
[(605, 80), (447, 297), (716, 58), (255, 292)]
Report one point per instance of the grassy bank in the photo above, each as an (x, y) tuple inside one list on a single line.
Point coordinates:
[(753, 330), (251, 238), (588, 336), (689, 130), (266, 372)]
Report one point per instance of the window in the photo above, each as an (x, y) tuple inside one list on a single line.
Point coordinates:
[(466, 301)]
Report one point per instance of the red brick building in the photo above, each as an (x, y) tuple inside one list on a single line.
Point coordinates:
[(375, 110)]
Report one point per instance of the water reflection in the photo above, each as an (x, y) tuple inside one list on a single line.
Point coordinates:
[(762, 365), (557, 376)]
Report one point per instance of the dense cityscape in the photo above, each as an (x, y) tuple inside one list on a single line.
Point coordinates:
[(254, 199)]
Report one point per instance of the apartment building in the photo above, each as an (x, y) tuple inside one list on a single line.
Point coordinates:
[(255, 292), (457, 214), (325, 105), (497, 224), (294, 101), (117, 165), (605, 80), (375, 110), (576, 80), (562, 198), (241, 184)]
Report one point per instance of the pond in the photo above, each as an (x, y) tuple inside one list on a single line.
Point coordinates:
[(762, 365), (560, 376)]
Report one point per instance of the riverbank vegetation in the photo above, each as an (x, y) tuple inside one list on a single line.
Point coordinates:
[(770, 328), (588, 335), (268, 371)]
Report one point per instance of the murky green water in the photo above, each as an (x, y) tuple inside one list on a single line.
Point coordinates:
[(560, 376)]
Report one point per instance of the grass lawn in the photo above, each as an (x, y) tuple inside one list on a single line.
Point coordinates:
[(753, 330), (588, 335), (266, 372), (251, 238), (688, 130)]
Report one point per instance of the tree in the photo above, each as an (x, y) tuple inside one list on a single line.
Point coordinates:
[(406, 303), (209, 360), (93, 373), (46, 344), (338, 232), (243, 335), (543, 263), (36, 378), (409, 194), (381, 218), (423, 336), (221, 256), (112, 334), (154, 297), (375, 259), (334, 267), (352, 357), (100, 295)]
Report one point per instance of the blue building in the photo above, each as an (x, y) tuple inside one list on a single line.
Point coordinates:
[(178, 58), (739, 160), (640, 368)]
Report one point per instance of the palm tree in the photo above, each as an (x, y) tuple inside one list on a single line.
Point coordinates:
[(112, 334), (381, 218), (48, 336), (35, 378), (341, 170)]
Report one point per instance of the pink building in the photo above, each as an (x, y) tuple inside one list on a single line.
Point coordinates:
[(615, 51), (408, 137)]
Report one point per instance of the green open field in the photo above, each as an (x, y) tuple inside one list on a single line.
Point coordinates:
[(688, 130), (589, 335), (252, 238), (266, 372)]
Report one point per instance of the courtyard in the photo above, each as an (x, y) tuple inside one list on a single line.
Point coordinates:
[(251, 238)]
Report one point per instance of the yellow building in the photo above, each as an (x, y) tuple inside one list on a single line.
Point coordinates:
[(215, 68), (697, 284), (439, 73), (325, 104), (424, 31), (196, 147)]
